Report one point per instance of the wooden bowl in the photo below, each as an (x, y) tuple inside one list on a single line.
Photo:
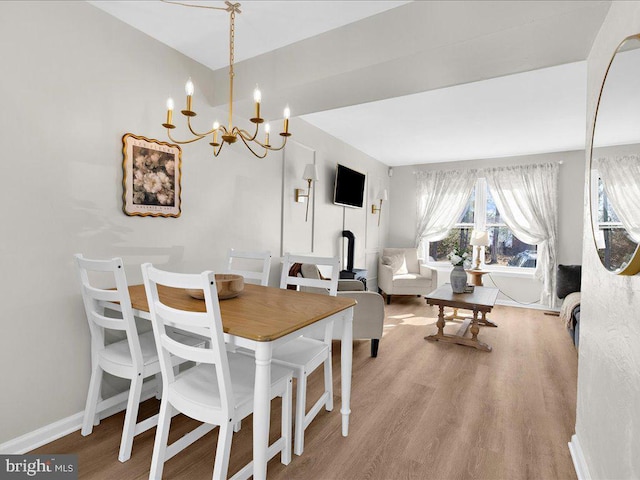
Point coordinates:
[(229, 285)]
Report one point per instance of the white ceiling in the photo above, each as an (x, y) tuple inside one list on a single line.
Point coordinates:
[(262, 26), (422, 82), (534, 112)]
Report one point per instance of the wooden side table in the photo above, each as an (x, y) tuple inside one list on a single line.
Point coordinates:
[(476, 276)]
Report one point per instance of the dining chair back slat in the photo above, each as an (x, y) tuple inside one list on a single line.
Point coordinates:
[(107, 322), (102, 295), (330, 284), (191, 320), (244, 258), (187, 352)]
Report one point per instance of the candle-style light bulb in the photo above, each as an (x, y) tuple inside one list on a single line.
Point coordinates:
[(287, 114), (188, 88), (170, 107), (216, 126), (257, 97), (267, 129)]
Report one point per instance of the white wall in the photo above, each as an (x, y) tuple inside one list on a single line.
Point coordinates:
[(608, 417), (402, 225), (369, 237), (74, 81)]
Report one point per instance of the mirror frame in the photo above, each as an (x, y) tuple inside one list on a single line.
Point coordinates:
[(633, 266)]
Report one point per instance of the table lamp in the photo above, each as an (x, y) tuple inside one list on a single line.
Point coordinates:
[(479, 239)]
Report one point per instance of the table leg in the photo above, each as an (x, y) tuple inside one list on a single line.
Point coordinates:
[(475, 329), (486, 321), (440, 324), (346, 359), (261, 410), (474, 326), (453, 316)]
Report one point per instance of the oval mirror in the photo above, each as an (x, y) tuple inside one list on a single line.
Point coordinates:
[(615, 163)]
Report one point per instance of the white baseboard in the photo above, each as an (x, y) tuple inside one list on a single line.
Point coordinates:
[(579, 464), (534, 306), (32, 440), (42, 436)]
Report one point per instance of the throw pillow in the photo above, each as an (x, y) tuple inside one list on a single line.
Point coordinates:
[(397, 263), (568, 279)]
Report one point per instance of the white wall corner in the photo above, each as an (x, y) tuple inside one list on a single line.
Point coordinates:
[(579, 463)]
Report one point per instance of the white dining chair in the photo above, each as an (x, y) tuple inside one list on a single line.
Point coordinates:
[(305, 354), (219, 389), (133, 358), (238, 262)]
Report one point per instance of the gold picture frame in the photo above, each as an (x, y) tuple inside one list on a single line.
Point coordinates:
[(151, 177)]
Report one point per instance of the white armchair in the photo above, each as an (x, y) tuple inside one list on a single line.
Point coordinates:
[(401, 273)]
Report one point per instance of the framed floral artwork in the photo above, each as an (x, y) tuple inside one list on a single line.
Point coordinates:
[(151, 177)]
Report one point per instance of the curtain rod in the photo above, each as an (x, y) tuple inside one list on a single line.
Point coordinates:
[(559, 162)]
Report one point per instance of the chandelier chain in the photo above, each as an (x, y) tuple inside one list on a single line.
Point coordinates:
[(232, 33), (232, 37)]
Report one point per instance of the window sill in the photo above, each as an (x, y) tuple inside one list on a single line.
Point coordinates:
[(518, 272), (512, 272)]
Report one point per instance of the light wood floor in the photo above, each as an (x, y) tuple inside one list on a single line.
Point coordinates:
[(421, 410)]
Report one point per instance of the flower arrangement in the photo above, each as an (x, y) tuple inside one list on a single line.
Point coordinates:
[(457, 257), (153, 177)]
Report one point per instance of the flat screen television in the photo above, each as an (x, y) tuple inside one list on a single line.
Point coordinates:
[(349, 188)]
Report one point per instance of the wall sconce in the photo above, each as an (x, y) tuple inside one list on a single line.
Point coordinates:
[(479, 239), (310, 175), (383, 196)]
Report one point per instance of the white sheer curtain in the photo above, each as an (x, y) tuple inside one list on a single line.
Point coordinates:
[(526, 197), (441, 198), (621, 179)]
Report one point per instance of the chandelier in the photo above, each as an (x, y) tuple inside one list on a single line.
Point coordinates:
[(230, 133)]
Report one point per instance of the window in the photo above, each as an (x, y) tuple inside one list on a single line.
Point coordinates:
[(459, 235), (504, 250), (615, 247)]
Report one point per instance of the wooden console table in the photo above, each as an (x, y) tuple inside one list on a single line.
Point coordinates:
[(480, 301)]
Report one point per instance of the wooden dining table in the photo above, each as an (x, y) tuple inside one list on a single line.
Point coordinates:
[(261, 318)]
